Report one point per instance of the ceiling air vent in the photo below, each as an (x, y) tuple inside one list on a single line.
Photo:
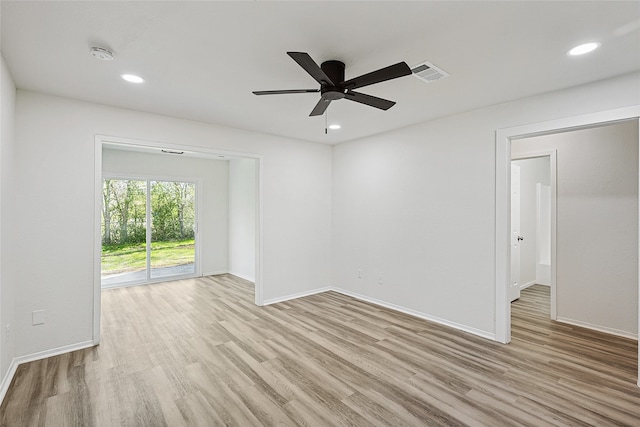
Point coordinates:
[(428, 72)]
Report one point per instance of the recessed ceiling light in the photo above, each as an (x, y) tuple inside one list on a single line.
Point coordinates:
[(132, 78), (334, 127), (583, 48)]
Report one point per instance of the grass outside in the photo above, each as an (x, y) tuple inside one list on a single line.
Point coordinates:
[(125, 258)]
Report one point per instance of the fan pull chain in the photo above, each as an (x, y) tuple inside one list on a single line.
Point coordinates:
[(326, 114)]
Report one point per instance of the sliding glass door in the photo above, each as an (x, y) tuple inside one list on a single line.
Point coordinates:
[(124, 231), (173, 228), (148, 230)]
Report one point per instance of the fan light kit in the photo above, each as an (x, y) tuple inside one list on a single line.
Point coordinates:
[(333, 86), (334, 127), (101, 53), (132, 78), (583, 48)]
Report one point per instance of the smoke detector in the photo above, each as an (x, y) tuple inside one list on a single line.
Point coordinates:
[(101, 53), (428, 72)]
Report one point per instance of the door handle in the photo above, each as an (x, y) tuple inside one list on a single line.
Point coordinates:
[(520, 238)]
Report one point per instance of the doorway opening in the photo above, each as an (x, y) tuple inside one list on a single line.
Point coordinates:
[(504, 137), (222, 184), (533, 221), (149, 230)]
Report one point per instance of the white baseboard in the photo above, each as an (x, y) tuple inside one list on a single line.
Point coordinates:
[(8, 377), (6, 381), (526, 285), (599, 328), (215, 273), (464, 328), (242, 276), (297, 295), (53, 352), (458, 326)]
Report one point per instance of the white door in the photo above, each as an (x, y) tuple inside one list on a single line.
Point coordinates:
[(514, 287)]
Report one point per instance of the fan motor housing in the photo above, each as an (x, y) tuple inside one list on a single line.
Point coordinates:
[(335, 71)]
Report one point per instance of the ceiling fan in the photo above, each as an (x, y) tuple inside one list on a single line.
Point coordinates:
[(333, 87)]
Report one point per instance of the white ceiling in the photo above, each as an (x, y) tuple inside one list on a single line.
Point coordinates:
[(201, 60)]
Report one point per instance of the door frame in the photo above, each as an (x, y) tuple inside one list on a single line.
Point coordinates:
[(551, 154), (197, 182), (503, 199), (155, 146), (513, 289)]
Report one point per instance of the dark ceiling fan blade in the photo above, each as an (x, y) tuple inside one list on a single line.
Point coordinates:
[(374, 101), (320, 107), (388, 73), (283, 92), (304, 60)]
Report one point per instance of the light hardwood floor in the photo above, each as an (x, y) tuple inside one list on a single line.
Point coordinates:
[(200, 353)]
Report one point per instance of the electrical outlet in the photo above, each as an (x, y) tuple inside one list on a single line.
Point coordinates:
[(380, 279), (7, 329), (359, 274)]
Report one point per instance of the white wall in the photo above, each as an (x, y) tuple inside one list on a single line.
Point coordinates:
[(8, 231), (417, 205), (597, 225), (242, 218), (214, 188), (532, 171), (54, 163)]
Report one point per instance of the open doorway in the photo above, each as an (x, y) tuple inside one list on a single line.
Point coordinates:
[(504, 138), (206, 181), (534, 246), (597, 222)]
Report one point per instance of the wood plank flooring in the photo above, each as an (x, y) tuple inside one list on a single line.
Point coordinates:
[(198, 352)]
